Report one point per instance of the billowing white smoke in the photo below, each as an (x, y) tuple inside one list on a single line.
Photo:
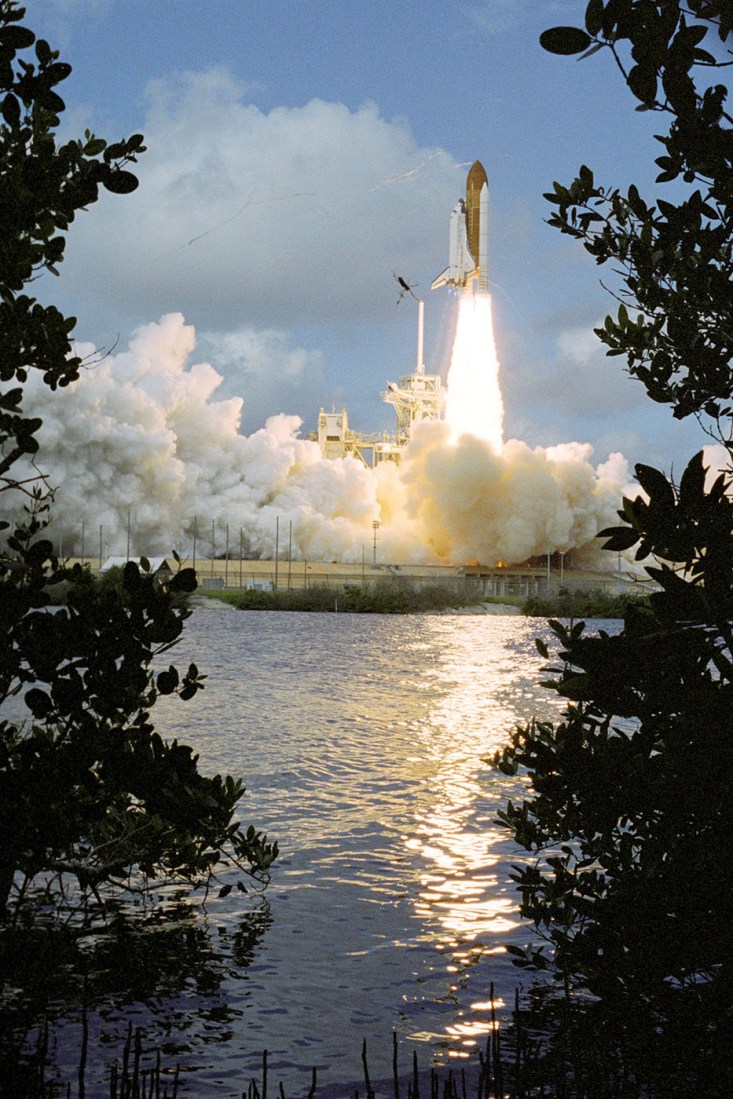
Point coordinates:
[(469, 503), (141, 439)]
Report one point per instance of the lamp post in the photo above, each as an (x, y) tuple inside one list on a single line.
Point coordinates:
[(375, 528)]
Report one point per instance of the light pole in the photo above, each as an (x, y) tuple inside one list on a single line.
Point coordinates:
[(375, 528)]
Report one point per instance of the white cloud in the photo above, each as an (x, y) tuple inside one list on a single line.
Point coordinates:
[(272, 219)]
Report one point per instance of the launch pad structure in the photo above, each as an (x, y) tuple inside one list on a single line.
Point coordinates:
[(415, 397)]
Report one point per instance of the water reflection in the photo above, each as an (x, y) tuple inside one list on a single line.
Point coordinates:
[(368, 767), (360, 739), (463, 899), (118, 974)]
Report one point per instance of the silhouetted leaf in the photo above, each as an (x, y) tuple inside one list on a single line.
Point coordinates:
[(184, 581), (619, 538), (17, 37), (692, 483), (642, 81), (655, 484), (167, 681), (565, 40), (38, 702), (594, 17), (11, 110), (120, 182)]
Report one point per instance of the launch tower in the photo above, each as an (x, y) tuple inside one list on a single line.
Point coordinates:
[(417, 396)]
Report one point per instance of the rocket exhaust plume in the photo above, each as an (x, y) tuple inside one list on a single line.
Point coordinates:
[(473, 403)]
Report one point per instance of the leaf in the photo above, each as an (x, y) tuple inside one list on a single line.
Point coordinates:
[(619, 538), (167, 681), (184, 581), (655, 484), (565, 40), (95, 146), (51, 101), (39, 552), (594, 17), (39, 703), (593, 49), (11, 110), (131, 576), (225, 890), (642, 81), (18, 38), (116, 151), (692, 483), (57, 72), (120, 182), (44, 52)]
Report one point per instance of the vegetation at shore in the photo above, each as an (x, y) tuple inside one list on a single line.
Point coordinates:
[(387, 596), (390, 597), (584, 603), (519, 1058)]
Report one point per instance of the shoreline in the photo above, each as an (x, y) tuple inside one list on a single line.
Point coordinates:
[(213, 601)]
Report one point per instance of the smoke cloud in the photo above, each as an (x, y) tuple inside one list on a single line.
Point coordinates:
[(143, 438)]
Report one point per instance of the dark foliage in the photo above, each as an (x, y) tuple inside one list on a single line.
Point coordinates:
[(584, 603), (89, 793), (675, 255), (389, 596), (629, 807)]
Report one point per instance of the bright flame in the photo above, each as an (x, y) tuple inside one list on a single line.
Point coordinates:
[(473, 403)]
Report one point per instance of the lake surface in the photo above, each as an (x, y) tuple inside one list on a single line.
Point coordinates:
[(360, 738)]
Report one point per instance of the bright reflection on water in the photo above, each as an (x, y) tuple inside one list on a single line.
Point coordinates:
[(361, 740)]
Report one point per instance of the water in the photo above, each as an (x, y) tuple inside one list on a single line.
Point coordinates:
[(360, 738)]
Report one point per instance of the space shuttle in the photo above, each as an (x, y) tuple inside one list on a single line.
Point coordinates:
[(468, 242)]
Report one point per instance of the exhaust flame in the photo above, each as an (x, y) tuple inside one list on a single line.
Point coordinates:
[(473, 404)]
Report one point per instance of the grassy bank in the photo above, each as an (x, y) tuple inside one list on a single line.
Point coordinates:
[(391, 597), (591, 603), (384, 597)]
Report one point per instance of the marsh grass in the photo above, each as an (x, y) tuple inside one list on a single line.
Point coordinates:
[(583, 603), (386, 596), (549, 1047)]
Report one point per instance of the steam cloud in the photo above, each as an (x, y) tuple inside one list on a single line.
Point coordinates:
[(142, 434)]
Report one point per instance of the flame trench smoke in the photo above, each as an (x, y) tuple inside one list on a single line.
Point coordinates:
[(141, 438)]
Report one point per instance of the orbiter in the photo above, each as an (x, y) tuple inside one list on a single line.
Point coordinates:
[(468, 243)]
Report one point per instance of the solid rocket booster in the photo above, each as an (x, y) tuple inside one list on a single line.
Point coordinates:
[(468, 240)]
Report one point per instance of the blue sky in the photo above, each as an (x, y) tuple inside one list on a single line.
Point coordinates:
[(300, 151)]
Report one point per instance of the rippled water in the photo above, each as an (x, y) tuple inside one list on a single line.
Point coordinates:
[(361, 739)]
